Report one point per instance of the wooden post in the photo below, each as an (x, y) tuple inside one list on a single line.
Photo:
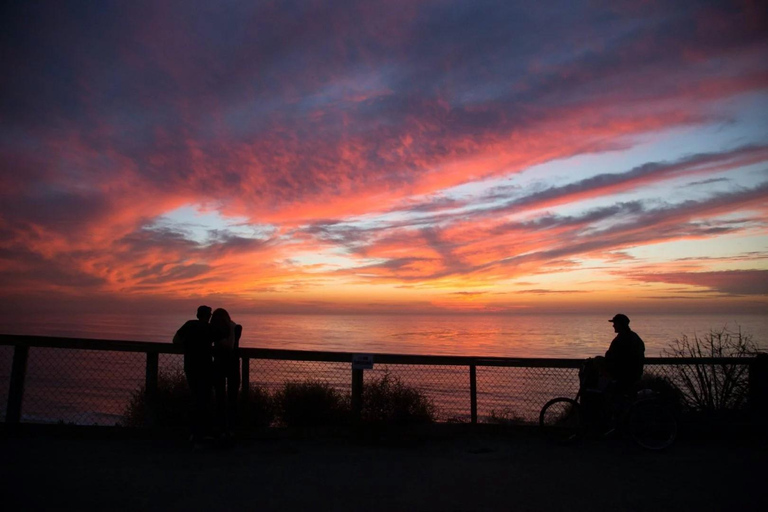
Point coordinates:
[(246, 377), (16, 390), (357, 394), (758, 387), (473, 392), (150, 389)]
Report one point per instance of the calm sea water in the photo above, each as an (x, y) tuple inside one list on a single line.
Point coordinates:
[(83, 386), (476, 335)]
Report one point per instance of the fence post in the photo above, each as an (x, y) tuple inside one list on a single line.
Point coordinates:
[(357, 394), (246, 377), (758, 386), (150, 389), (16, 389), (473, 392)]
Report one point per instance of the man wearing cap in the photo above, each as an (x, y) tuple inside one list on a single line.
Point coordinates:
[(196, 337), (625, 357)]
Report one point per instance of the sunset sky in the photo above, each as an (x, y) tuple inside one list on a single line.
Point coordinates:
[(393, 156)]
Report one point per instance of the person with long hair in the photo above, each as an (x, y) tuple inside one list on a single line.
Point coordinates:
[(226, 369)]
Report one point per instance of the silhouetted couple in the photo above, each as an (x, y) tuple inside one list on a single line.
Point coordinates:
[(211, 362)]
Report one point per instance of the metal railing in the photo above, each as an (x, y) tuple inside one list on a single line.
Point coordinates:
[(90, 381)]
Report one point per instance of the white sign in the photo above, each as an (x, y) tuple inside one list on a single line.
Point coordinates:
[(362, 361)]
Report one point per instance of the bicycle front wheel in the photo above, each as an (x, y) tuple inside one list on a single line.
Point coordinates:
[(560, 420), (652, 424)]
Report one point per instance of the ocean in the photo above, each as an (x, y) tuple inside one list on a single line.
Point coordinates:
[(556, 336), (86, 386)]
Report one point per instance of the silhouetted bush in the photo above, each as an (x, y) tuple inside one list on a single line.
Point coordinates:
[(257, 410), (666, 389), (387, 400), (713, 387), (310, 403), (174, 405), (173, 402), (504, 417)]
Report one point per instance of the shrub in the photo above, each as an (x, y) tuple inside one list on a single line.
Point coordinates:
[(387, 400), (504, 417), (310, 403), (258, 409), (173, 402), (712, 387), (665, 388)]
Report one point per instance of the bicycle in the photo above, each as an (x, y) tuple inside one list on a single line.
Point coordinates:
[(645, 416)]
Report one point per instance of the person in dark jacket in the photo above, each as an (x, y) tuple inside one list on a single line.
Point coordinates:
[(605, 379), (226, 364), (196, 337), (625, 357)]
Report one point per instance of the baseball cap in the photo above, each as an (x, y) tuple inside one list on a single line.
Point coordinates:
[(619, 319)]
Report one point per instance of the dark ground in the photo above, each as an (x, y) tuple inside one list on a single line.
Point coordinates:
[(458, 470)]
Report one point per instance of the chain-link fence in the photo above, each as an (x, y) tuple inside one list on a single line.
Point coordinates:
[(84, 387), (446, 386), (80, 384), (272, 374), (710, 386), (6, 356), (516, 394)]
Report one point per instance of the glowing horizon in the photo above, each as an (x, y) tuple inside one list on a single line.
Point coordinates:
[(385, 157)]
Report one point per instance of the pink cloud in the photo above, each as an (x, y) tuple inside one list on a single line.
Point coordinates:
[(308, 116)]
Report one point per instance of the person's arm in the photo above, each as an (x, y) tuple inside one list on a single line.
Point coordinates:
[(614, 356), (178, 338)]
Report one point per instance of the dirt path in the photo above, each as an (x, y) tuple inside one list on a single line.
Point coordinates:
[(517, 472)]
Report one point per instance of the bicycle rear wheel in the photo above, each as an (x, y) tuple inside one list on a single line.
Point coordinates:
[(560, 420), (652, 424)]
